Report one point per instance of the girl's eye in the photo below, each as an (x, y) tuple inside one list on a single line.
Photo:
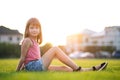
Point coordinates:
[(37, 27), (34, 27), (31, 27)]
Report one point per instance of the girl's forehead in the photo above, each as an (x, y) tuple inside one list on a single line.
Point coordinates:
[(34, 24)]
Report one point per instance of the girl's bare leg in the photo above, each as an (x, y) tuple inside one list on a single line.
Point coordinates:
[(58, 53), (60, 68)]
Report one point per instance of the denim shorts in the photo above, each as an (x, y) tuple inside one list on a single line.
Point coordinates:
[(36, 65)]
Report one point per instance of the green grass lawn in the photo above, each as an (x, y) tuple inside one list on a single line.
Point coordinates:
[(112, 72)]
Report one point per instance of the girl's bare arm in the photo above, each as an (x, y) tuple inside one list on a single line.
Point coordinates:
[(24, 48)]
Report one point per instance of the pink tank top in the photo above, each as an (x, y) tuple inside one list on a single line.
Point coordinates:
[(33, 52)]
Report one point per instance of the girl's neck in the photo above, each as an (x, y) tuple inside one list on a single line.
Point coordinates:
[(34, 38)]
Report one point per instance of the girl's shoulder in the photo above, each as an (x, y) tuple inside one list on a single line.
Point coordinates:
[(27, 41)]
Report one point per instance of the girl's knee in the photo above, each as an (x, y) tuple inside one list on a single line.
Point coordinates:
[(55, 47)]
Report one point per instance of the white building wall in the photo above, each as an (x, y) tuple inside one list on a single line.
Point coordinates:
[(114, 35), (10, 38), (110, 38)]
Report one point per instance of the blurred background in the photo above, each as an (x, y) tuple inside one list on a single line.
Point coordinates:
[(82, 29)]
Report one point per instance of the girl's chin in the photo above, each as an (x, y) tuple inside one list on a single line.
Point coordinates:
[(34, 35)]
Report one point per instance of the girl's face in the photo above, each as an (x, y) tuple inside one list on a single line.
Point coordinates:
[(34, 30)]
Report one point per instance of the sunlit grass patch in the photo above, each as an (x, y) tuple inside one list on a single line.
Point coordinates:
[(8, 66)]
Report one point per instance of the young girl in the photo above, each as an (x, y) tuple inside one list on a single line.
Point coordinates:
[(31, 59)]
